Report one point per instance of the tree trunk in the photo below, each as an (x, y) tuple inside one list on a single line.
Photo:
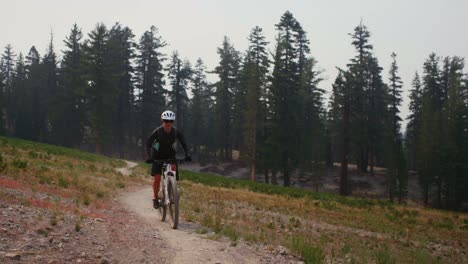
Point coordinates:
[(329, 151), (253, 171), (426, 195), (371, 161), (286, 182), (439, 192), (344, 188), (274, 179), (253, 161)]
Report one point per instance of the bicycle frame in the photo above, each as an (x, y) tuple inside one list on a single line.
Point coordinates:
[(168, 193), (168, 171)]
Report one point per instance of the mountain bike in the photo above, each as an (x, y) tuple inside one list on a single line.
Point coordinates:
[(168, 194)]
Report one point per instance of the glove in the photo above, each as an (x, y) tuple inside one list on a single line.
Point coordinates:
[(188, 158), (149, 161)]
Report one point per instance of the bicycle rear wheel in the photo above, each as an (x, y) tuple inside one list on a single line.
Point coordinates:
[(174, 202)]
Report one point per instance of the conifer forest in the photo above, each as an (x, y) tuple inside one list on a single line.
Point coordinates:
[(105, 91)]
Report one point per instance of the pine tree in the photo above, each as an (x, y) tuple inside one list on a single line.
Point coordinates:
[(8, 73), (360, 68), (201, 109), (52, 102), (429, 154), (150, 82), (35, 85), (102, 92), (313, 115), (454, 125), (414, 121), (286, 98), (396, 172), (2, 101), (228, 78), (21, 97), (239, 94), (72, 82), (310, 123), (256, 69), (121, 55), (179, 74), (341, 109)]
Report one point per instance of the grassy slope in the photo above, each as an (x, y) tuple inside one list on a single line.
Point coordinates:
[(71, 180), (317, 226), (322, 226)]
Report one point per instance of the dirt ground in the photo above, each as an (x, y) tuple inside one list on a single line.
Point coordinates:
[(125, 229)]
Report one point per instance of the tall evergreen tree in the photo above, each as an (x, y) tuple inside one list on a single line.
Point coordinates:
[(52, 102), (455, 127), (201, 109), (359, 66), (228, 78), (312, 124), (150, 82), (35, 84), (8, 73), (429, 154), (179, 74), (20, 96), (2, 101), (102, 92), (286, 97), (414, 121), (121, 55), (72, 83), (255, 69), (341, 112), (396, 171)]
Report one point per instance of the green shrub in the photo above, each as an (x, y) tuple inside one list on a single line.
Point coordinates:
[(384, 257), (309, 253), (20, 164), (3, 164), (63, 182)]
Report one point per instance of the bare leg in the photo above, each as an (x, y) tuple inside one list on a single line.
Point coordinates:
[(156, 183)]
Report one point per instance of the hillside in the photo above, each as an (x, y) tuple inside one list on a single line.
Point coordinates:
[(61, 205)]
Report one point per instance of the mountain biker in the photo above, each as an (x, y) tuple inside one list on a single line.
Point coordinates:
[(162, 145)]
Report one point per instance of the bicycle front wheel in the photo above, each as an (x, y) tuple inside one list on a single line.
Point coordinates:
[(173, 205), (162, 207)]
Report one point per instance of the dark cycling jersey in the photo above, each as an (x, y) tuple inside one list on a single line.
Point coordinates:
[(164, 144)]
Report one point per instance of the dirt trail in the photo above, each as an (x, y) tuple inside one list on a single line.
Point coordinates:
[(184, 244), (188, 247), (128, 169)]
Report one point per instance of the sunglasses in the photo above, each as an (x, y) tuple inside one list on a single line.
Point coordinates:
[(168, 121)]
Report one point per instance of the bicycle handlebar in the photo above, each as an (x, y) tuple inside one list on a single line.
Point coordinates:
[(170, 160)]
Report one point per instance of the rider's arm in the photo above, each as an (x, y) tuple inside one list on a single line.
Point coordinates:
[(181, 139), (149, 143)]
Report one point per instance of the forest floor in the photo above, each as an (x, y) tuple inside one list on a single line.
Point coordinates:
[(328, 180)]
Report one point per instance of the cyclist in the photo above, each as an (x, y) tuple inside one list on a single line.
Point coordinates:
[(162, 145)]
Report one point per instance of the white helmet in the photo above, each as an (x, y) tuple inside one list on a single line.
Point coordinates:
[(168, 115)]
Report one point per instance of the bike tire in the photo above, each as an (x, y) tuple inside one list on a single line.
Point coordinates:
[(162, 208), (174, 202)]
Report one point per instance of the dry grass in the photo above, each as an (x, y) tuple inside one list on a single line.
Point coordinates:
[(85, 178), (326, 230)]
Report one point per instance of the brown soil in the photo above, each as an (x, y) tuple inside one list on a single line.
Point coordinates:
[(37, 227)]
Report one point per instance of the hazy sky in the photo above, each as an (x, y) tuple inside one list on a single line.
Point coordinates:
[(412, 28)]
